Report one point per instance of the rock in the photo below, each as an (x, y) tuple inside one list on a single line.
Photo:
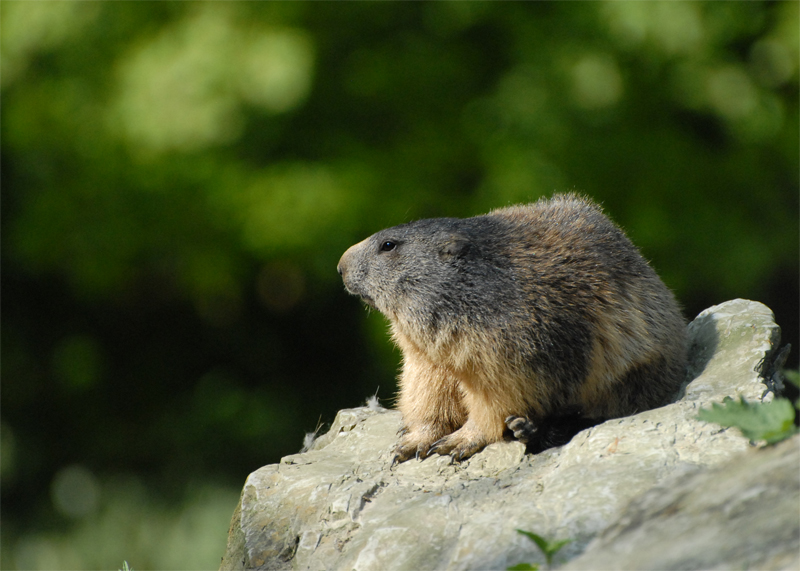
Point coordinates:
[(743, 514), (341, 506)]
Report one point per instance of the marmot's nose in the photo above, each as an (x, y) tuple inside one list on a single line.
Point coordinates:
[(341, 267), (346, 259)]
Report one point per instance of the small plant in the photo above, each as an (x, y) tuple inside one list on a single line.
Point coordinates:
[(126, 567), (548, 548), (769, 421)]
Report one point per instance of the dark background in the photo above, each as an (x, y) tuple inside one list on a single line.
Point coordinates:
[(179, 180)]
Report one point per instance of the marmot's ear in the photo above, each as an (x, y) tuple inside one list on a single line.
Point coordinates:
[(454, 246)]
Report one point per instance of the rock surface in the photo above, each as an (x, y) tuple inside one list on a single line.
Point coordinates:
[(744, 514), (341, 506)]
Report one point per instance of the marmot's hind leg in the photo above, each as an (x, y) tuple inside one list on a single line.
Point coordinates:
[(523, 428), (549, 433)]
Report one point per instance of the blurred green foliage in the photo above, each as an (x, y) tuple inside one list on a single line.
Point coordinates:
[(770, 422), (179, 180)]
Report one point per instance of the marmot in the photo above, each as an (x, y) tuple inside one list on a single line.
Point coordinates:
[(510, 321)]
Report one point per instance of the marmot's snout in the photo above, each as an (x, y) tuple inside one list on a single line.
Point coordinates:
[(346, 263), (348, 268)]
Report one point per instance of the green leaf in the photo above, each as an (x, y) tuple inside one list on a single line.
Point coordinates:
[(523, 567), (549, 548), (537, 539), (772, 421)]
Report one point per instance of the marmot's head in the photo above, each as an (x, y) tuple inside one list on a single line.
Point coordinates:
[(408, 268)]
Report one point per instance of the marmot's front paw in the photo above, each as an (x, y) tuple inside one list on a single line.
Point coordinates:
[(461, 444), (413, 444), (405, 452)]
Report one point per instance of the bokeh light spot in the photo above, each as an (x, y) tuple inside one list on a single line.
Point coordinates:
[(75, 492)]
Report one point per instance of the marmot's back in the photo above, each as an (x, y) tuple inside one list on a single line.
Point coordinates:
[(534, 311)]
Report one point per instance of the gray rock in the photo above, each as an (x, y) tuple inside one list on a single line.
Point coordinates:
[(744, 514), (341, 506)]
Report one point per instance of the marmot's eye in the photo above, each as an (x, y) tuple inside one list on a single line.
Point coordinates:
[(388, 246)]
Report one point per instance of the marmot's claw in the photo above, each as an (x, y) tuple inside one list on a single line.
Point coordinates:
[(439, 447), (458, 451), (403, 453), (400, 456)]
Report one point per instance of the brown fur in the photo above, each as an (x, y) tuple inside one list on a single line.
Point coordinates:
[(531, 311)]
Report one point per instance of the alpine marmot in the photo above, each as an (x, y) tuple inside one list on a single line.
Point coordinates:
[(517, 320)]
